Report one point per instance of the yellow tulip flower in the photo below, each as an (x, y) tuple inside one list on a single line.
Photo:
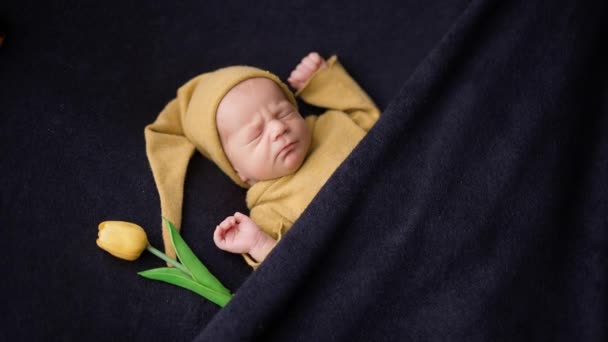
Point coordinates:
[(128, 240), (122, 239)]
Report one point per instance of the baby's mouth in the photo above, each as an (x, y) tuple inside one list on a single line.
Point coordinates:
[(287, 148)]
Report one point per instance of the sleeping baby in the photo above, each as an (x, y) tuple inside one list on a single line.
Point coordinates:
[(247, 122)]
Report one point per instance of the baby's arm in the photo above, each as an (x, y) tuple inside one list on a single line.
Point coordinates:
[(239, 234), (330, 86), (304, 71)]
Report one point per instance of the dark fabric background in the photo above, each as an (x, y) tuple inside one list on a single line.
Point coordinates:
[(476, 209)]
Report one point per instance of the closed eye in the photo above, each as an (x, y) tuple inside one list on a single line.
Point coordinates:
[(255, 134)]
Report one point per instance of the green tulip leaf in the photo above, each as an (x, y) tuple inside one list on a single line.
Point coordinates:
[(179, 278), (199, 272)]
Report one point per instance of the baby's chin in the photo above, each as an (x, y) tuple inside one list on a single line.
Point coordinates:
[(294, 160), (291, 166)]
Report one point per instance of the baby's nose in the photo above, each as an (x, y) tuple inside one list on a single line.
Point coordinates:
[(278, 128)]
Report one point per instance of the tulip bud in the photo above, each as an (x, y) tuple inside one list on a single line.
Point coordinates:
[(124, 240)]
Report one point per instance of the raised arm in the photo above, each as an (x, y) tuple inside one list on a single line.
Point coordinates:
[(331, 87)]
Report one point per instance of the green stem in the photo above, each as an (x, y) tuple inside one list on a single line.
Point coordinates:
[(163, 256)]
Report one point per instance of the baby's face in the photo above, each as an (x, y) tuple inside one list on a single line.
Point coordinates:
[(263, 135)]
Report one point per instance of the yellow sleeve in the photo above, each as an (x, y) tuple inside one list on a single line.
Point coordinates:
[(333, 88)]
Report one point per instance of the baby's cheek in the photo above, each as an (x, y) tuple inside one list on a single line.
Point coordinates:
[(259, 162)]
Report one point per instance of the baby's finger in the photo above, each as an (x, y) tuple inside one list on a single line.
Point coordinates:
[(240, 217), (310, 64), (305, 68), (297, 75), (296, 84), (314, 56), (218, 236), (294, 72), (226, 223)]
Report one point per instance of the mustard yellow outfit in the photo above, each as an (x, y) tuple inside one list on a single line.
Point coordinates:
[(188, 124), (276, 204)]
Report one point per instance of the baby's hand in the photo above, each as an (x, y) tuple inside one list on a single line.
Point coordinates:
[(237, 234), (304, 71)]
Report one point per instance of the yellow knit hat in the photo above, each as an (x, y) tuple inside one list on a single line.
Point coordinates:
[(187, 124)]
